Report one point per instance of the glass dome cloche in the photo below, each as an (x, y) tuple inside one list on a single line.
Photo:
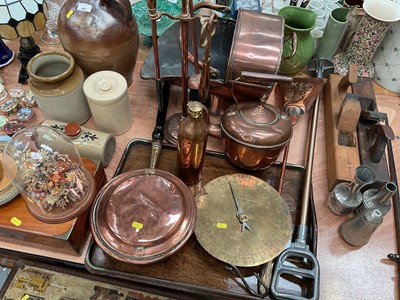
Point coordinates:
[(46, 168)]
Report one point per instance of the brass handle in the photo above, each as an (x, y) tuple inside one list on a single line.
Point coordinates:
[(267, 76)]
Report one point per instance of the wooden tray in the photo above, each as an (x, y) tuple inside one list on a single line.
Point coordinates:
[(192, 269), (38, 280), (67, 238)]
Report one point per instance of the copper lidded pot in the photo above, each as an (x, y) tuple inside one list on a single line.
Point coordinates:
[(257, 44)]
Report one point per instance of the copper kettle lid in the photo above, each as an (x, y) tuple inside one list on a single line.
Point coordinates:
[(259, 125)]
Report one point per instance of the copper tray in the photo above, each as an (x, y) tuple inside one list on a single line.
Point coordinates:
[(192, 269)]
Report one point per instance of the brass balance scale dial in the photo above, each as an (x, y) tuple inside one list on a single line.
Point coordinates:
[(248, 231)]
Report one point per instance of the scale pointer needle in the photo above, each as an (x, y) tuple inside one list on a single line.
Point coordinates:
[(240, 214)]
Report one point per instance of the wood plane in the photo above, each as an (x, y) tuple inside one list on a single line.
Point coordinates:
[(342, 112), (373, 131)]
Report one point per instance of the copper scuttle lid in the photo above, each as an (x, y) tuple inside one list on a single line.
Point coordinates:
[(143, 216)]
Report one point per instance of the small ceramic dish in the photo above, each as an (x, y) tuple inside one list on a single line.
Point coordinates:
[(3, 121), (29, 99), (9, 107), (17, 93), (3, 92), (13, 126), (25, 114)]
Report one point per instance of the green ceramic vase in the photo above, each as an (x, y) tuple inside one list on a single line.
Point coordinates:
[(298, 23), (333, 33)]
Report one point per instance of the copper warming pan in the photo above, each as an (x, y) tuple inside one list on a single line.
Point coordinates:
[(143, 216)]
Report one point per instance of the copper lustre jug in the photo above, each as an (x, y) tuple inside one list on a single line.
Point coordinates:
[(100, 35)]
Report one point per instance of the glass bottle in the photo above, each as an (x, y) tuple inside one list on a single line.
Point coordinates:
[(378, 198), (346, 196), (192, 144)]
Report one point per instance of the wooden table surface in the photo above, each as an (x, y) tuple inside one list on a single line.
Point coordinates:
[(347, 272)]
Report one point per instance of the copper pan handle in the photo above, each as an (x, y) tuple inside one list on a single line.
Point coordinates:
[(294, 38), (255, 77), (267, 76)]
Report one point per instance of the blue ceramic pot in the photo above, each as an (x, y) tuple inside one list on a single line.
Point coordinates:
[(6, 54)]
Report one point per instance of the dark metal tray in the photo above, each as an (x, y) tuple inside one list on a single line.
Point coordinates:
[(192, 269)]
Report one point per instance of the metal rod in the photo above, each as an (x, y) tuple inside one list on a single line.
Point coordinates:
[(154, 16), (396, 196), (283, 168), (157, 135), (194, 39), (309, 165), (185, 16)]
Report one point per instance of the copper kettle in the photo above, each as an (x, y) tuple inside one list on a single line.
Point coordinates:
[(253, 133)]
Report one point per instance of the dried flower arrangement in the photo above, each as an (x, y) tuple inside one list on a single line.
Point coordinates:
[(53, 180)]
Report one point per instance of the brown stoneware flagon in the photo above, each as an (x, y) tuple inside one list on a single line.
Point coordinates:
[(100, 35)]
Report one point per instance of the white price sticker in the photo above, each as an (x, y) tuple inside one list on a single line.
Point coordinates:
[(84, 7)]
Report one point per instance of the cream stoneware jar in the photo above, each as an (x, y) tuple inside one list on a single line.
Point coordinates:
[(57, 83), (107, 95)]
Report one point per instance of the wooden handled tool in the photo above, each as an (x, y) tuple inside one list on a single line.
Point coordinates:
[(342, 112), (348, 117)]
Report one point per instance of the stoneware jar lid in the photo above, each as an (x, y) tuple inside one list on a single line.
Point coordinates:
[(72, 129), (105, 87)]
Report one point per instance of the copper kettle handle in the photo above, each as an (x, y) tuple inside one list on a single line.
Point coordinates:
[(294, 39)]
